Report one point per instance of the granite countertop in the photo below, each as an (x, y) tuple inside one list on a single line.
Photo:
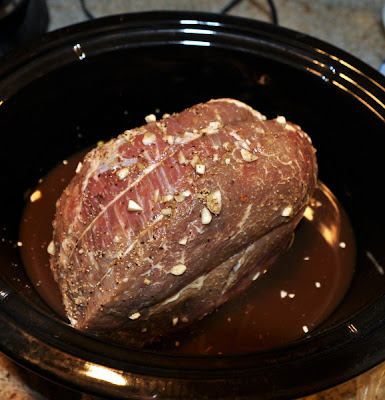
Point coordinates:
[(353, 25)]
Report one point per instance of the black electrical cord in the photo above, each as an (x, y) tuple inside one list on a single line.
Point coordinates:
[(227, 8), (88, 14), (273, 9)]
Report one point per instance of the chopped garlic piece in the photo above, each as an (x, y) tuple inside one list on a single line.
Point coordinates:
[(245, 146), (135, 316), (122, 173), (214, 124), (127, 133), (287, 211), (166, 198), (156, 195), (195, 160), (148, 138), (206, 216), (51, 248), (214, 201), (166, 211), (290, 128), (215, 157), (79, 167), (179, 198), (281, 119), (147, 281), (248, 156), (140, 166), (132, 206), (211, 129), (175, 321), (183, 241), (256, 276), (186, 193), (178, 269), (150, 118), (227, 161), (226, 146), (169, 139), (36, 195), (181, 158), (200, 169)]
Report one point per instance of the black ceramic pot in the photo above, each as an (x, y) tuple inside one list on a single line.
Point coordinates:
[(84, 78)]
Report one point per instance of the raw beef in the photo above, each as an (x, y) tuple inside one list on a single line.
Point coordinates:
[(168, 221)]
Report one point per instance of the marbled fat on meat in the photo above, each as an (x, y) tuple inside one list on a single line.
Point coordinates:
[(169, 220)]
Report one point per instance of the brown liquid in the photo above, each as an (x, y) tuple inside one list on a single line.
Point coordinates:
[(293, 297)]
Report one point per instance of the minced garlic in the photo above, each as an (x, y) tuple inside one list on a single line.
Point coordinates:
[(179, 198), (206, 216), (168, 139), (166, 211), (166, 198), (195, 160), (214, 201), (181, 158), (79, 167), (287, 211), (132, 206), (122, 173), (36, 195), (150, 118), (135, 316), (178, 269), (200, 169), (51, 248), (248, 156), (148, 138), (183, 241)]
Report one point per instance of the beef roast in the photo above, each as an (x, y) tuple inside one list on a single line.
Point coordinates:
[(168, 221)]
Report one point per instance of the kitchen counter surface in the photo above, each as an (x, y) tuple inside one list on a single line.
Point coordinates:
[(353, 25)]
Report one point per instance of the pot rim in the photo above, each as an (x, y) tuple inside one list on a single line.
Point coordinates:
[(42, 348)]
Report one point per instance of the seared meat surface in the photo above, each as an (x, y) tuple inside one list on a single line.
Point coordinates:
[(169, 220)]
